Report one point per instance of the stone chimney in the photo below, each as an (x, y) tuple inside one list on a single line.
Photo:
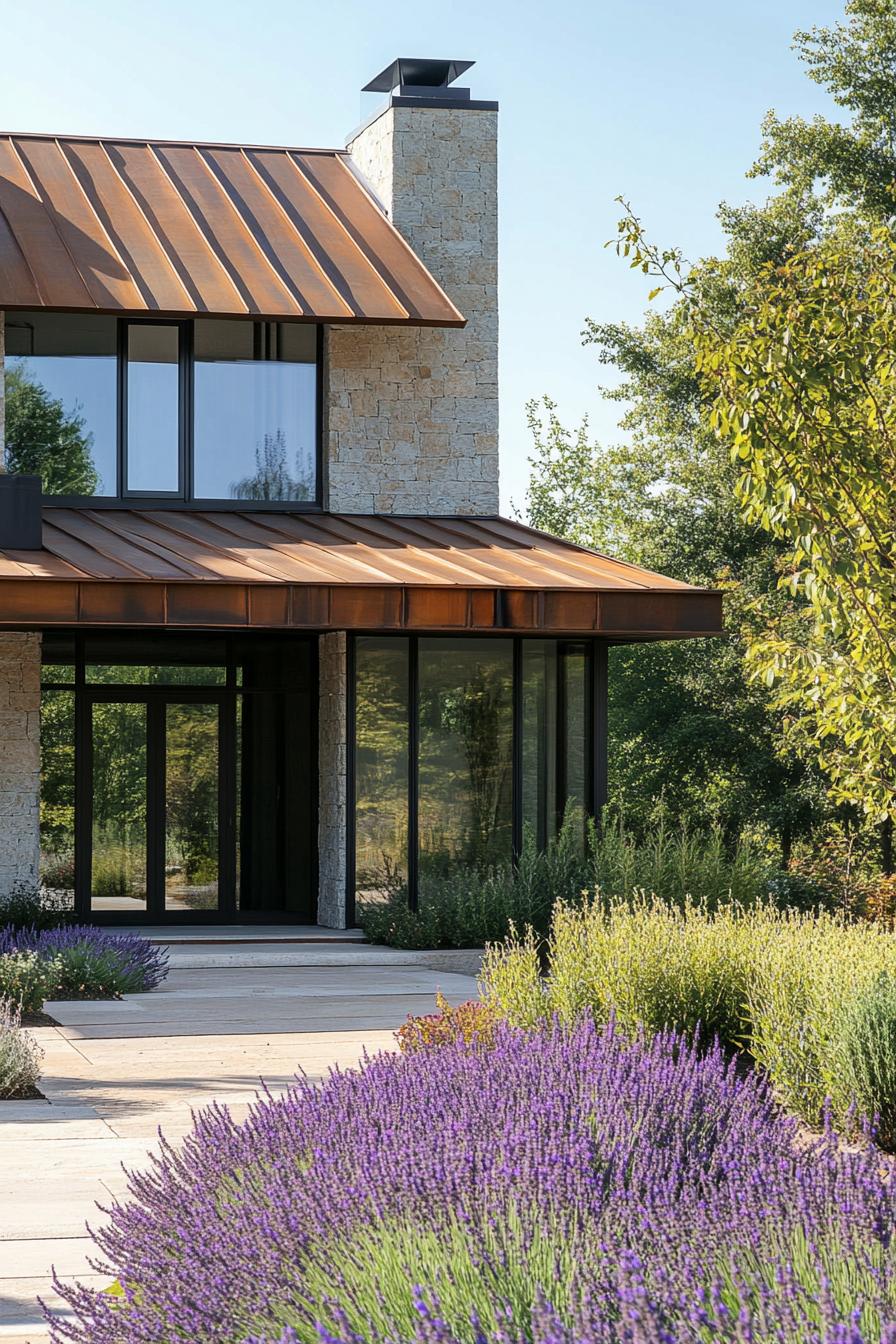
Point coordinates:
[(412, 413)]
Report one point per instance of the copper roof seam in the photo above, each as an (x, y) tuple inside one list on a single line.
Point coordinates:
[(248, 233), (342, 224), (420, 568), (329, 574), (80, 544), (362, 546), (27, 264), (249, 221), (587, 551), (196, 213), (525, 554), (272, 574), (347, 164), (166, 246), (493, 574), (96, 518), (318, 547), (451, 560), (179, 144), (578, 561), (92, 211), (310, 252), (335, 276), (531, 573), (378, 266), (150, 520), (121, 251), (51, 213), (156, 232)]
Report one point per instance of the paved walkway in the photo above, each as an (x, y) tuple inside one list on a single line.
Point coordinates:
[(114, 1072)]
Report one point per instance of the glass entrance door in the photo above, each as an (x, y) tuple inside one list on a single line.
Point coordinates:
[(156, 827)]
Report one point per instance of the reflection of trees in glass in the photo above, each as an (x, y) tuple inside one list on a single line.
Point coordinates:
[(465, 755), (191, 812), (272, 478), (44, 439), (57, 788), (381, 760), (119, 800)]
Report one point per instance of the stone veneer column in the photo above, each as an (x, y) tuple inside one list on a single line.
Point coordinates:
[(413, 412), (332, 768), (19, 760)]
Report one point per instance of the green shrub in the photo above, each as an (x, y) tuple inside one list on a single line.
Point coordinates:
[(866, 1050), (25, 980), (468, 907), (27, 907), (811, 997), (20, 1055)]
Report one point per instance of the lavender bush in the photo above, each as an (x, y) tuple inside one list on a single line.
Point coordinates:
[(20, 1055), (564, 1184), (81, 961)]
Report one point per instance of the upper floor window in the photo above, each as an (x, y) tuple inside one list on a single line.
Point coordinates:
[(205, 410)]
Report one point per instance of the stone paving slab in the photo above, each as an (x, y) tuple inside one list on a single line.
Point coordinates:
[(114, 1073)]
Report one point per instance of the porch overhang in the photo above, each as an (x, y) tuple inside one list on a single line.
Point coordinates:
[(223, 570)]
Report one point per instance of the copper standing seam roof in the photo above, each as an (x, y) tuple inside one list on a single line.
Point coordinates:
[(179, 229), (337, 571)]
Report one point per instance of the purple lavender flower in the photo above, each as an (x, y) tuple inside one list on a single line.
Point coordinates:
[(133, 963), (566, 1186)]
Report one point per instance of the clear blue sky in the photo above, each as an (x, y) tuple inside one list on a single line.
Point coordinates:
[(660, 102)]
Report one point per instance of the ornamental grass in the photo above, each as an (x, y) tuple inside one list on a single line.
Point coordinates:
[(569, 1184), (811, 998)]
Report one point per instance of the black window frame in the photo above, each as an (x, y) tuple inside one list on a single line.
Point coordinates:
[(595, 745), (184, 498)]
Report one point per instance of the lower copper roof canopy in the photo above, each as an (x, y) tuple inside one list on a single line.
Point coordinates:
[(324, 571)]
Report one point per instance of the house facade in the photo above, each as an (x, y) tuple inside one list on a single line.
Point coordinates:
[(266, 644)]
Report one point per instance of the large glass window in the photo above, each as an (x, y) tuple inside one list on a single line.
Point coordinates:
[(381, 764), (61, 378), (211, 409), (153, 421), (463, 745), (465, 752), (255, 425)]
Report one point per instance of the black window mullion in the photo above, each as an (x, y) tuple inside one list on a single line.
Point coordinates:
[(350, 781), (187, 381)]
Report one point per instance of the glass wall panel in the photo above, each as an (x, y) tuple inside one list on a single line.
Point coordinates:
[(575, 720), (539, 744), (191, 807), (118, 877), (57, 792), (61, 401), (465, 753), (381, 764), (127, 674), (153, 401), (255, 410)]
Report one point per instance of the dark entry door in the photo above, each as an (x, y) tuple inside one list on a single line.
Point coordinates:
[(161, 795)]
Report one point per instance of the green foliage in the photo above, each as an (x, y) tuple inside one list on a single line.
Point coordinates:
[(83, 971), (31, 907), (866, 1034), (806, 401), (25, 980), (44, 439), (20, 1055), (468, 907), (810, 997)]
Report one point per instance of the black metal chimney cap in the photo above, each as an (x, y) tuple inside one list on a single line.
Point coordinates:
[(419, 72)]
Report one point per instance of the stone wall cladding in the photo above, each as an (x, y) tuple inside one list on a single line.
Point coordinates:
[(332, 768), (412, 413), (19, 760)]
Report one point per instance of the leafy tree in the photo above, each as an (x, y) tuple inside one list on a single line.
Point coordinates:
[(691, 719), (272, 478), (46, 440)]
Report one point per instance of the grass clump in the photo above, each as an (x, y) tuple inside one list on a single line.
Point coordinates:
[(20, 1055), (810, 997), (466, 906)]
